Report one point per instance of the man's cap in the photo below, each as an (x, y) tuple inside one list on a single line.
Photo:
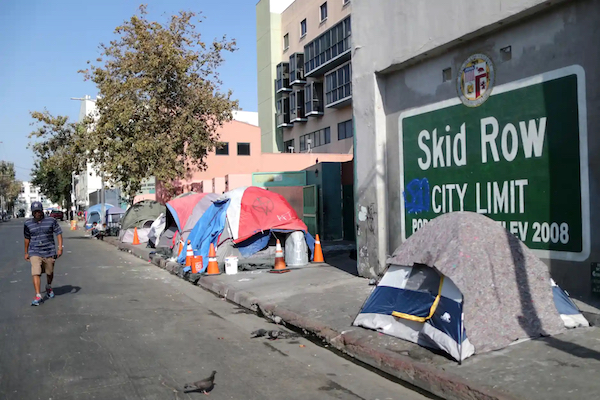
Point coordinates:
[(36, 206)]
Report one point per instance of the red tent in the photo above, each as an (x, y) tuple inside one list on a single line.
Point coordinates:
[(253, 209)]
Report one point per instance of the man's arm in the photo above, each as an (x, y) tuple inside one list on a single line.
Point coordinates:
[(60, 245), (27, 238), (58, 233)]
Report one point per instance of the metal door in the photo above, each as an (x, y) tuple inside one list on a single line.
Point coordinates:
[(310, 208)]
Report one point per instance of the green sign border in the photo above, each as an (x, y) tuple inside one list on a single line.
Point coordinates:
[(583, 152)]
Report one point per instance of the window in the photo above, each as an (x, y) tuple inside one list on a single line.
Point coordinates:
[(286, 41), (303, 28), (313, 98), (323, 11), (315, 139), (296, 75), (288, 146), (338, 85), (345, 130), (328, 46), (243, 149), (346, 1), (223, 149), (283, 77)]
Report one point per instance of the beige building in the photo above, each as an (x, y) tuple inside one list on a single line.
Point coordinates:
[(304, 76)]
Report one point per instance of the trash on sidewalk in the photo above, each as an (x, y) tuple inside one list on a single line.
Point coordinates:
[(456, 286)]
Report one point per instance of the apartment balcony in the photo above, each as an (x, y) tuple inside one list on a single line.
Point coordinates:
[(282, 83), (313, 99), (283, 113), (297, 69), (297, 106), (329, 50)]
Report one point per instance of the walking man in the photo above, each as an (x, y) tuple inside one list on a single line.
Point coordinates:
[(40, 249)]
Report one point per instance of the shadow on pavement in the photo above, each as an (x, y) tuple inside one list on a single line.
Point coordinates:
[(572, 348), (344, 263), (66, 289)]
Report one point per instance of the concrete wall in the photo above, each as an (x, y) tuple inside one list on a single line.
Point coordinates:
[(402, 69)]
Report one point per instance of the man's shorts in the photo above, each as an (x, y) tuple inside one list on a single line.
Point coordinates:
[(40, 265)]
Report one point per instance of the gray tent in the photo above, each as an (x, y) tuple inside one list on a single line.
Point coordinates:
[(141, 214), (465, 266)]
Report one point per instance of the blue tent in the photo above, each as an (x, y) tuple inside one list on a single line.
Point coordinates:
[(207, 231), (93, 214)]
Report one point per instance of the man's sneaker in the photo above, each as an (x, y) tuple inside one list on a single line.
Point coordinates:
[(49, 292), (37, 301)]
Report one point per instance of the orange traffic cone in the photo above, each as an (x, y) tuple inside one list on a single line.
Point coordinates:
[(189, 255), (197, 264), (136, 238), (180, 248), (318, 256), (213, 266), (280, 266)]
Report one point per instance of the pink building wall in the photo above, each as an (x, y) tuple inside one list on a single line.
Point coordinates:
[(207, 186), (233, 181), (219, 166), (218, 184)]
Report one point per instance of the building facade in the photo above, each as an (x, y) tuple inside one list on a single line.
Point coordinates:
[(494, 111), (88, 181), (304, 71), (239, 155), (29, 194)]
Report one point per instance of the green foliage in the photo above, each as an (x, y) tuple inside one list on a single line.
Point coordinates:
[(53, 182), (9, 186), (59, 151), (159, 103)]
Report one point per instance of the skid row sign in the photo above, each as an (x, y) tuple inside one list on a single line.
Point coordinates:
[(519, 158)]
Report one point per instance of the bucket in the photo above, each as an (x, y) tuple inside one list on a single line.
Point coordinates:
[(231, 265), (296, 250)]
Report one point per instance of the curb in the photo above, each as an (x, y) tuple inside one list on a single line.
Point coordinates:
[(354, 343)]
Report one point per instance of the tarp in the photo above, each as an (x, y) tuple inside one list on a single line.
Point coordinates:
[(206, 200), (158, 226), (505, 286), (142, 213), (115, 210), (207, 230)]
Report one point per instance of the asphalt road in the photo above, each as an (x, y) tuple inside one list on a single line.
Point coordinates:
[(120, 328)]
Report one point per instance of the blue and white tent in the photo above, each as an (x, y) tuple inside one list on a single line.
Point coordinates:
[(463, 284), (419, 305)]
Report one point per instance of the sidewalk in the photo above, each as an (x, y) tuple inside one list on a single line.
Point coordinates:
[(324, 300)]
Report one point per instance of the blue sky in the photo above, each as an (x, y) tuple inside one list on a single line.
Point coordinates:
[(44, 43)]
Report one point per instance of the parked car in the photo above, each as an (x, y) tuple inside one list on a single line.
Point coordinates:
[(56, 214)]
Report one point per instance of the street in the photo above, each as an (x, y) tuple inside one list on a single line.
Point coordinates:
[(120, 328)]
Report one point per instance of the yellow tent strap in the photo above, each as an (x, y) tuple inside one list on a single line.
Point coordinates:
[(431, 310)]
